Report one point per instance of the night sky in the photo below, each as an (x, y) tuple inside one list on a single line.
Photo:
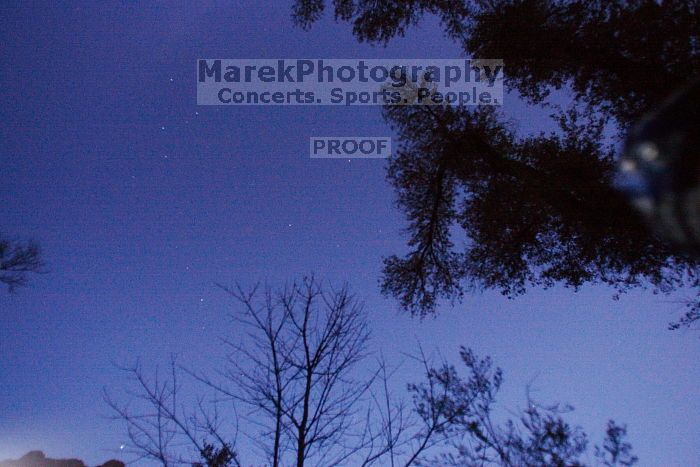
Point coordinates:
[(142, 201)]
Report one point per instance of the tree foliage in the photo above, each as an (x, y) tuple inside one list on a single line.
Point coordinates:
[(162, 429), (534, 210), (488, 208), (539, 436), (294, 383), (293, 371), (622, 56), (17, 260), (298, 372)]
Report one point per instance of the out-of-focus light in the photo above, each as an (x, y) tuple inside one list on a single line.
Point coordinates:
[(660, 169)]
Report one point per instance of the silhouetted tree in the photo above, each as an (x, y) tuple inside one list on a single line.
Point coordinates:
[(615, 450), (297, 371), (222, 456), (622, 56), (163, 429), (538, 209), (296, 376), (16, 261), (538, 437)]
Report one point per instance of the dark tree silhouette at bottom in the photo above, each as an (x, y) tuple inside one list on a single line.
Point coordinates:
[(294, 372)]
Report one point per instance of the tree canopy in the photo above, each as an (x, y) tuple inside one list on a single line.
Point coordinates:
[(292, 376), (491, 209)]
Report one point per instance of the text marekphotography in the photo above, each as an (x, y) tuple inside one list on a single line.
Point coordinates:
[(349, 82)]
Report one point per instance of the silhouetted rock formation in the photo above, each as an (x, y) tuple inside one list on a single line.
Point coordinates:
[(39, 459)]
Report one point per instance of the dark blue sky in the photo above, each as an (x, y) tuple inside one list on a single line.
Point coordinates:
[(142, 200)]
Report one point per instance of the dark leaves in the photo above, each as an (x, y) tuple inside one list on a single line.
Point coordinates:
[(537, 210), (538, 436), (16, 260), (489, 209)]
